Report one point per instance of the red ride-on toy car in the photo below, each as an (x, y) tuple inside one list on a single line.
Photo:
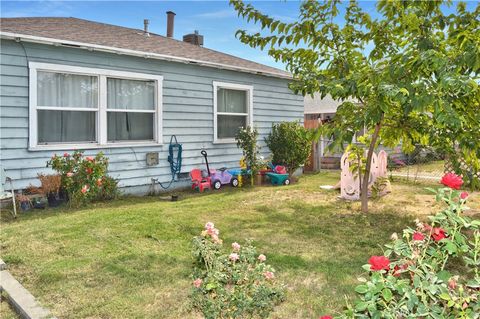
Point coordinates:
[(198, 181)]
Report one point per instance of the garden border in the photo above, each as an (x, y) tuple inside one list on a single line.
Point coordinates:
[(23, 302)]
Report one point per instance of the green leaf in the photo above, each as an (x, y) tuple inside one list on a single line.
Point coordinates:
[(361, 306), (361, 289), (445, 296), (387, 294), (444, 275)]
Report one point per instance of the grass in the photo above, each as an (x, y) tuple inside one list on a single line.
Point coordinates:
[(429, 170), (6, 311), (131, 258)]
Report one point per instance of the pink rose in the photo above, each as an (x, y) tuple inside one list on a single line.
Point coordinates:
[(213, 232), (197, 282), (66, 155), (269, 275), (209, 225), (89, 158), (85, 189), (326, 317), (464, 195), (236, 246), (69, 174), (262, 258), (233, 257)]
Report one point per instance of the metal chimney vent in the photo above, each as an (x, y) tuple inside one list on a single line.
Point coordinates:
[(145, 27)]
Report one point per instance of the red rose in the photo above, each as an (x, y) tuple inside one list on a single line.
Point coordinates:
[(397, 271), (89, 170), (418, 236), (438, 234), (464, 195), (326, 317), (66, 155), (452, 180), (379, 263)]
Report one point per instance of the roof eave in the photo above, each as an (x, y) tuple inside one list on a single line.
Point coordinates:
[(95, 47)]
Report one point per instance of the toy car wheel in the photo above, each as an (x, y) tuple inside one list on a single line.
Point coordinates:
[(234, 182), (217, 184), (286, 182)]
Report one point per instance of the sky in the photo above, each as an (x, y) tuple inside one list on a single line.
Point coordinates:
[(215, 20)]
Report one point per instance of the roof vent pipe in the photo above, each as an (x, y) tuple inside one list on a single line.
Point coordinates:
[(145, 27), (170, 23)]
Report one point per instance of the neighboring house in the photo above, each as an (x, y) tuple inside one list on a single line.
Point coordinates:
[(68, 84), (318, 111), (318, 108)]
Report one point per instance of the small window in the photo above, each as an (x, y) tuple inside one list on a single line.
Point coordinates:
[(233, 103), (131, 110), (67, 107)]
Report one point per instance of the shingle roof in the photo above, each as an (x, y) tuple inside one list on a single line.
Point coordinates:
[(107, 35)]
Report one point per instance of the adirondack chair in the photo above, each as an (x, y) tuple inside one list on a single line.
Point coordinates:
[(6, 196)]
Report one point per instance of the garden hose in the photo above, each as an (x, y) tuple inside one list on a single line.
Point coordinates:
[(175, 160)]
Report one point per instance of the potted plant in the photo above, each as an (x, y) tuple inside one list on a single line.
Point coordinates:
[(24, 202), (247, 141), (50, 186)]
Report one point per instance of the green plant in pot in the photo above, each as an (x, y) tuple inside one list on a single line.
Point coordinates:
[(247, 140)]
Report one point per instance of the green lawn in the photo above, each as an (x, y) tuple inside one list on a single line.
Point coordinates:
[(131, 258)]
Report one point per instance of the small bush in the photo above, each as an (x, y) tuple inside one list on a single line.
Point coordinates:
[(247, 140), (430, 271), (290, 144), (84, 178), (235, 285)]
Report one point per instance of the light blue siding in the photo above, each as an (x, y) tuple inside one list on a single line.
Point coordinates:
[(187, 112)]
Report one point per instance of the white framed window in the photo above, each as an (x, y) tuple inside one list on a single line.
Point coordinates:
[(77, 107), (232, 109)]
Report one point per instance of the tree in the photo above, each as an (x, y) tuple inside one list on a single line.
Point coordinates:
[(409, 75)]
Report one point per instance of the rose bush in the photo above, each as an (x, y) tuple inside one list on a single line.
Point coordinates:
[(432, 271), (84, 178), (238, 284)]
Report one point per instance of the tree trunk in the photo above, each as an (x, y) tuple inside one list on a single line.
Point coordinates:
[(366, 177)]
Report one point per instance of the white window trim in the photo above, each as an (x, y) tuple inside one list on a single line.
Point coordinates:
[(102, 75), (232, 86)]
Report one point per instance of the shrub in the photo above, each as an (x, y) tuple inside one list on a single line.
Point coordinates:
[(235, 285), (290, 144), (84, 178), (50, 183), (247, 140), (431, 271)]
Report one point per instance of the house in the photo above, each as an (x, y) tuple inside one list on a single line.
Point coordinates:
[(318, 111), (317, 108), (68, 83)]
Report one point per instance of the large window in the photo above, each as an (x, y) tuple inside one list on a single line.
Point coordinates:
[(83, 107), (232, 110)]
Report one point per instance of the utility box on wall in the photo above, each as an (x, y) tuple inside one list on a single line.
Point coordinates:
[(152, 158)]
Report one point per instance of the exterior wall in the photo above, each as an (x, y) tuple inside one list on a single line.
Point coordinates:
[(187, 112)]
